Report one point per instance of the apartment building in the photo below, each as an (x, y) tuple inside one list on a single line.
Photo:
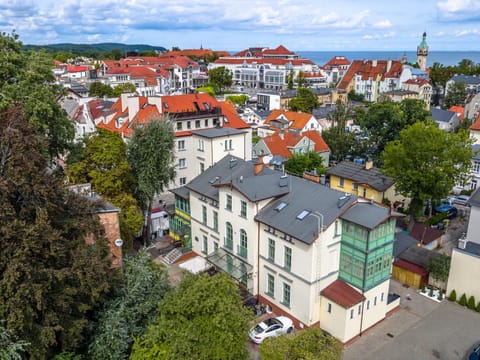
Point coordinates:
[(315, 254)]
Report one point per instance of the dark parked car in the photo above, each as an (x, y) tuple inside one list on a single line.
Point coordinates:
[(475, 355), (450, 210)]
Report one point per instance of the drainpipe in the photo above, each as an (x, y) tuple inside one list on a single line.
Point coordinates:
[(258, 254)]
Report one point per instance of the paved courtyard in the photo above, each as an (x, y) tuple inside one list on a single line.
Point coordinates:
[(422, 329)]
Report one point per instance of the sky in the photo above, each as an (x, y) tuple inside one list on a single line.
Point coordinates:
[(233, 25)]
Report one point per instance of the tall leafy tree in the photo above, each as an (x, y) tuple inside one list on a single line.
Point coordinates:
[(220, 78), (10, 348), (299, 163), (26, 78), (132, 308), (456, 95), (305, 101), (103, 163), (203, 319), (427, 162), (50, 278), (123, 88), (151, 156), (310, 344), (100, 89)]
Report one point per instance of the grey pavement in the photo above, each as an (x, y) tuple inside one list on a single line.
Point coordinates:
[(421, 329)]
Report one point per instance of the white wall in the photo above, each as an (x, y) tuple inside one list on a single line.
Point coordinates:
[(464, 274)]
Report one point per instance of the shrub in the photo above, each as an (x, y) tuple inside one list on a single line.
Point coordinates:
[(478, 307), (471, 302), (422, 288), (453, 296), (440, 295), (463, 300), (430, 291)]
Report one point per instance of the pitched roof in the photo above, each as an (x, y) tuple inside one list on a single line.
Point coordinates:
[(336, 61), (371, 69), (425, 234), (270, 61), (442, 115), (411, 267), (297, 120), (367, 214), (186, 103), (458, 110), (357, 173), (418, 255), (342, 294), (417, 81), (232, 119), (476, 125), (467, 79)]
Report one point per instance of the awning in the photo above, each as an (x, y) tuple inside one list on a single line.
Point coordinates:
[(229, 263)]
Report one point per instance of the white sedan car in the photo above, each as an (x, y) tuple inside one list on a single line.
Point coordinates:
[(274, 326)]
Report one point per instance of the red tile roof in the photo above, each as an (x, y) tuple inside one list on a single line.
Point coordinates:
[(196, 53), (280, 50), (98, 108), (320, 144), (232, 118), (337, 61), (371, 69), (186, 103), (417, 81), (277, 146), (458, 110), (297, 120), (342, 294), (280, 146), (476, 125), (271, 61), (425, 234), (76, 68), (411, 267)]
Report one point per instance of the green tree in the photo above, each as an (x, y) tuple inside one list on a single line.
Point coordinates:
[(456, 95), (439, 267), (353, 96), (10, 348), (103, 163), (151, 156), (203, 319), (100, 89), (290, 77), (26, 78), (310, 344), (300, 79), (427, 162), (220, 78), (123, 88), (50, 278), (206, 89), (463, 300), (439, 74), (238, 99), (132, 308), (305, 101), (299, 163), (453, 296), (471, 302)]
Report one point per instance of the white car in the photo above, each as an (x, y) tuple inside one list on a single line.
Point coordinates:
[(274, 326), (461, 200)]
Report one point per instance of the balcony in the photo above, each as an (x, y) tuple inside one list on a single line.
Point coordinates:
[(242, 251)]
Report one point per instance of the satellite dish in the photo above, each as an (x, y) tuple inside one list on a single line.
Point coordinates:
[(267, 158), (118, 242)]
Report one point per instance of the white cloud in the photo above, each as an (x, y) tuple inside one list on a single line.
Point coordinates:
[(460, 33), (459, 9), (382, 24)]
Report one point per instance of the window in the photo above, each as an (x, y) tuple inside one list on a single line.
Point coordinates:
[(359, 309), (206, 122), (215, 221), (243, 209), (179, 125), (270, 285), (181, 163), (202, 167), (242, 249), (201, 145), (364, 193), (205, 245), (271, 250), (287, 260), (368, 304), (329, 307), (351, 314), (215, 246), (228, 204), (189, 124), (204, 214), (337, 233), (181, 145), (476, 167), (228, 145), (375, 301), (355, 187), (340, 182), (286, 295), (197, 124), (228, 236)]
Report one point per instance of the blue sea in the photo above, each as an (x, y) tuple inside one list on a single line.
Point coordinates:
[(445, 58)]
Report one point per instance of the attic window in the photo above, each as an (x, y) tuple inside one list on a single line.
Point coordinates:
[(281, 206), (216, 178), (303, 215), (165, 104), (206, 106)]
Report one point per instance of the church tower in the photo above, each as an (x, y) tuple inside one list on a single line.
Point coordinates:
[(422, 53)]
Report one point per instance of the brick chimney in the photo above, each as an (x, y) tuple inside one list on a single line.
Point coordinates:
[(368, 164), (258, 166)]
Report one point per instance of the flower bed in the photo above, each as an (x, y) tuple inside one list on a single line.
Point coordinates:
[(435, 296)]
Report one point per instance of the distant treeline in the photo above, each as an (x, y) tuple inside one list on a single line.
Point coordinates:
[(113, 51)]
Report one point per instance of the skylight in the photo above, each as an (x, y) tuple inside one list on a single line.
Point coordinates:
[(303, 215), (281, 206)]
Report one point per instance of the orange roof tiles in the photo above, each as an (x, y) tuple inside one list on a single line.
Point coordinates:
[(272, 61), (233, 120), (279, 144), (417, 81), (342, 294), (458, 110), (337, 61), (196, 53), (297, 120), (375, 69), (476, 125)]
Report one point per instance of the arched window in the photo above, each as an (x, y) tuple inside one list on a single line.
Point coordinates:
[(229, 236), (242, 249)]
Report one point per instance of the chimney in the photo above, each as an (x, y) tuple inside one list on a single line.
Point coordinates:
[(258, 166), (133, 104), (368, 164), (389, 65), (281, 134), (157, 101), (124, 98), (312, 176)]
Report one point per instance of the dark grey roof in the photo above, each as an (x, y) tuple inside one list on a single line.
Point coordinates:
[(238, 173), (402, 242), (475, 198), (367, 214), (308, 196), (70, 106), (218, 132), (289, 93), (323, 111), (373, 177), (471, 248), (418, 255), (322, 91), (181, 191), (442, 115), (467, 79)]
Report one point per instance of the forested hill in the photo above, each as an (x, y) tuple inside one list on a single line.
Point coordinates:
[(81, 49)]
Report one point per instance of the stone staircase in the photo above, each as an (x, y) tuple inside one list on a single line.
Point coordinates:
[(172, 256)]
